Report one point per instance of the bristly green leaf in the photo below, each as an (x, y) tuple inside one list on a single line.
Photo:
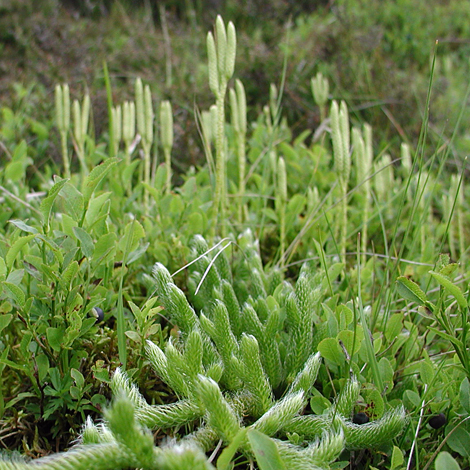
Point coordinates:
[(254, 376), (220, 414), (126, 430), (375, 433), (347, 398), (280, 414), (212, 56)]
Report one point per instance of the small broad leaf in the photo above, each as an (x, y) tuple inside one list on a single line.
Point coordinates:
[(55, 337), (458, 439), (393, 326), (42, 363), (16, 248), (136, 254), (97, 207), (104, 247), (375, 403), (426, 372), (455, 341), (134, 336), (397, 458), (5, 320), (226, 457), (3, 269), (73, 202), (133, 232), (409, 290), (96, 175), (78, 377), (129, 171), (454, 290), (69, 274), (319, 404), (48, 201), (465, 394), (15, 293), (266, 451), (411, 400), (196, 222), (344, 315), (294, 207), (23, 226), (445, 461), (449, 269), (20, 151), (86, 242), (351, 340), (330, 350)]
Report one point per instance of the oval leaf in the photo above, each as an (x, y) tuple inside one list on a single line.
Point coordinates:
[(445, 461), (266, 451), (409, 290), (454, 290)]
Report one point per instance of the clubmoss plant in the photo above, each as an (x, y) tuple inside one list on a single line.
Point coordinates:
[(208, 124), (238, 113), (166, 138), (281, 201), (452, 204), (240, 344), (144, 114), (341, 143), (119, 442), (117, 126), (81, 116), (384, 178), (362, 153), (320, 90), (406, 160), (221, 52), (62, 108), (128, 129)]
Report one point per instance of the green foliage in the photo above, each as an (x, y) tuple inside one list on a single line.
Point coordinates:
[(445, 461), (272, 342)]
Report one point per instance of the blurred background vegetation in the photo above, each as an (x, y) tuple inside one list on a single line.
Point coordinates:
[(377, 56)]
